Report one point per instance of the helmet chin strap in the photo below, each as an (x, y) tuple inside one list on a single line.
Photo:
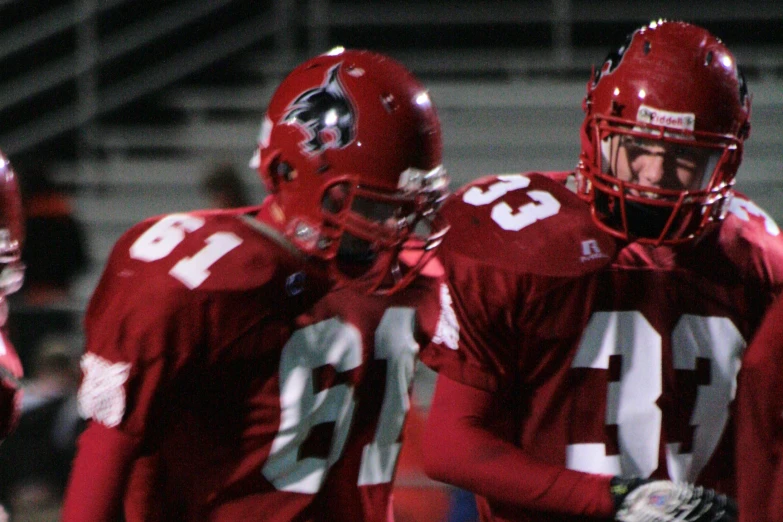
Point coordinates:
[(644, 221)]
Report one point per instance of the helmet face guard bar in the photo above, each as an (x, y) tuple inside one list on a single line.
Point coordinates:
[(408, 259), (680, 214), (403, 228)]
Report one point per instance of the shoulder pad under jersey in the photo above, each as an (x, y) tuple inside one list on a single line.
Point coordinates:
[(526, 223), (752, 240), (227, 251)]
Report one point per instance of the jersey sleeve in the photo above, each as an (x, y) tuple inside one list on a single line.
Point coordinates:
[(470, 345), (464, 445), (753, 242), (139, 330)]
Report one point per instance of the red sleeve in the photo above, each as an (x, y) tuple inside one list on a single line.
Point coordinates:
[(100, 469), (143, 495), (462, 448), (759, 440), (138, 330), (10, 389)]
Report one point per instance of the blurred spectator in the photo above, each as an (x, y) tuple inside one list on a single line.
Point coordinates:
[(224, 188), (55, 253), (55, 250)]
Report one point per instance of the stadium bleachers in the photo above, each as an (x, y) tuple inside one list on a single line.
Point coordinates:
[(132, 102)]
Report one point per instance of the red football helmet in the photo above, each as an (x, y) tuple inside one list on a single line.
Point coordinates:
[(11, 230), (11, 278), (350, 151), (677, 85)]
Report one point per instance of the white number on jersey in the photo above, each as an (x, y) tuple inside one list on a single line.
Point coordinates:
[(303, 407), (506, 217), (164, 236), (631, 402)]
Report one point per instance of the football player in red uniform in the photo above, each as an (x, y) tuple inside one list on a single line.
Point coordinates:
[(11, 278), (760, 423), (255, 364), (599, 334)]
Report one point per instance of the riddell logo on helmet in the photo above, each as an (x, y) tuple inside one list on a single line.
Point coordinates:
[(673, 120), (325, 114)]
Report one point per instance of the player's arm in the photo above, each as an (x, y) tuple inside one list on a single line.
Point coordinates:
[(759, 424), (134, 325), (461, 449), (117, 396), (98, 477), (144, 499)]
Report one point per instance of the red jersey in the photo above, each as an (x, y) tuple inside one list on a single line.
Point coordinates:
[(609, 359), (260, 392)]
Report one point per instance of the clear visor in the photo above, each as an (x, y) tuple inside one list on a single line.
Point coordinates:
[(376, 214), (659, 168), (376, 221)]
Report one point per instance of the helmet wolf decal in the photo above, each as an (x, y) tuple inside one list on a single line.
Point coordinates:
[(325, 113)]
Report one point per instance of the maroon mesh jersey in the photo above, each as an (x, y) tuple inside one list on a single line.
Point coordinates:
[(264, 394), (610, 359), (760, 423)]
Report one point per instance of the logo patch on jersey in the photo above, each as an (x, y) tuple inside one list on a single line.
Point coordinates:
[(447, 331), (591, 251), (101, 395), (325, 114)]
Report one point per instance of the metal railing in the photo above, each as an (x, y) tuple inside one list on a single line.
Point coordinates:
[(81, 84)]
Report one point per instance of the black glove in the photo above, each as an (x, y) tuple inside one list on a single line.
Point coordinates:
[(641, 500)]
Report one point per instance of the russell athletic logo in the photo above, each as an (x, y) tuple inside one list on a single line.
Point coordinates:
[(326, 115), (591, 251)]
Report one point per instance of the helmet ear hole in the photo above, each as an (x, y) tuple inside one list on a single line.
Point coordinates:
[(336, 198), (277, 172), (284, 171)]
